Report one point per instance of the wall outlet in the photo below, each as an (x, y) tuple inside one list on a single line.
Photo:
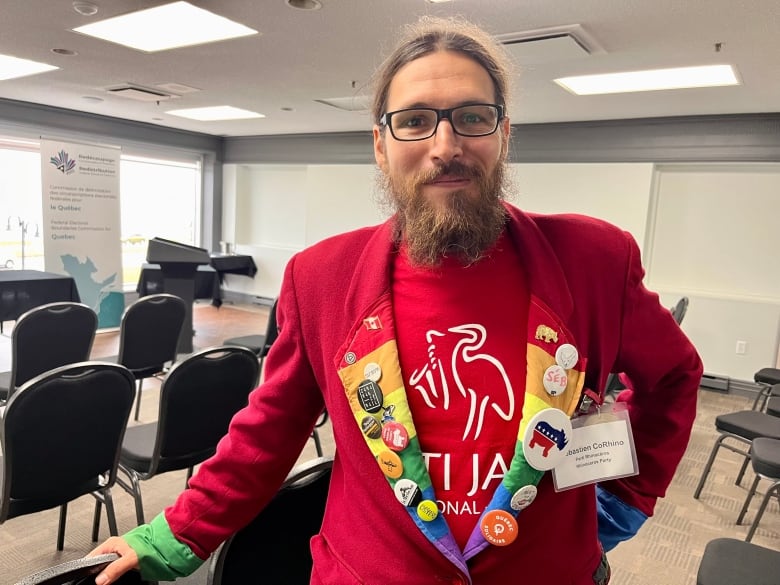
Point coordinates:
[(741, 347)]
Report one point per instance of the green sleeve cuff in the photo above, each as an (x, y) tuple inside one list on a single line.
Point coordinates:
[(160, 556)]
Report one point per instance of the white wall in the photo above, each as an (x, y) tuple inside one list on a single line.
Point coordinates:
[(671, 210)]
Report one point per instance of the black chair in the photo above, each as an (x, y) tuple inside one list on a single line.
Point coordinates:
[(274, 547), (148, 336), (198, 398), (259, 344), (765, 459), (61, 433), (767, 379), (728, 561), (47, 337), (81, 572), (741, 427)]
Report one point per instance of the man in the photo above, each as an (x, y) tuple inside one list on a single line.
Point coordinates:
[(451, 346)]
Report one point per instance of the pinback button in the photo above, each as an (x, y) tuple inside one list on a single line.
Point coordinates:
[(523, 497), (395, 436), (555, 380), (370, 396), (390, 463), (498, 527), (371, 427), (567, 356), (408, 493), (546, 437), (427, 510), (350, 357), (372, 372)]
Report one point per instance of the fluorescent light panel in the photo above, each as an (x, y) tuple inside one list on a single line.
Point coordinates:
[(214, 113), (179, 24), (13, 67), (650, 80)]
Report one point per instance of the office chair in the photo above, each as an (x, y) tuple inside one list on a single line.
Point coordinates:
[(198, 398), (765, 459), (47, 337), (728, 561), (148, 336), (260, 344), (60, 435), (274, 547)]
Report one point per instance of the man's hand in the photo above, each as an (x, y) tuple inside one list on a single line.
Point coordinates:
[(127, 560)]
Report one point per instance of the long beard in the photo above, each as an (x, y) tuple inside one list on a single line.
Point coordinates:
[(462, 226)]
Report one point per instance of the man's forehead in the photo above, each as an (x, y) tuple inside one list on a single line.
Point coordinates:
[(442, 79)]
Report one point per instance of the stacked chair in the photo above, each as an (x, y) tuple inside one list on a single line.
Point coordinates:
[(198, 398), (274, 547), (755, 434), (259, 344), (47, 337), (61, 433)]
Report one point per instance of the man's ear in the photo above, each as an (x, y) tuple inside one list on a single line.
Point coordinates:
[(379, 149)]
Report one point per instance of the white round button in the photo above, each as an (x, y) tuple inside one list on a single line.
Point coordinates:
[(567, 356), (373, 372), (555, 380), (546, 437), (523, 497)]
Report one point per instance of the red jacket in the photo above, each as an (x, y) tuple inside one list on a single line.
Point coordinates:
[(585, 279)]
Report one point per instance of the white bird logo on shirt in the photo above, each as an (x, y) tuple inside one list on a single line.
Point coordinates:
[(431, 380)]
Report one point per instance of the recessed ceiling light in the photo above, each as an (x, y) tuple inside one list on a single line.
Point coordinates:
[(438, 1), (85, 8), (305, 4), (163, 27), (650, 80), (214, 113), (13, 67)]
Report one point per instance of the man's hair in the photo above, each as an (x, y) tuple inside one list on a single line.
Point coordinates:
[(430, 35)]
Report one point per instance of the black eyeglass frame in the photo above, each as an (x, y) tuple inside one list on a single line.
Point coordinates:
[(445, 114)]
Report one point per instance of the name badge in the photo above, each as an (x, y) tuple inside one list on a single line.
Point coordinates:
[(601, 448)]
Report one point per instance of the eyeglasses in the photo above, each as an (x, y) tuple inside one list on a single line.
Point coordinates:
[(421, 123)]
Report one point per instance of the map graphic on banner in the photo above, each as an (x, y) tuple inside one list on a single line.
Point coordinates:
[(81, 222)]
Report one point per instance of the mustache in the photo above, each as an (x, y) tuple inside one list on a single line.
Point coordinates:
[(452, 168)]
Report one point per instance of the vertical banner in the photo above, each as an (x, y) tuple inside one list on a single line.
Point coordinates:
[(82, 222)]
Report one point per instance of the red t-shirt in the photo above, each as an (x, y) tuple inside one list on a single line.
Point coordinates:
[(461, 339)]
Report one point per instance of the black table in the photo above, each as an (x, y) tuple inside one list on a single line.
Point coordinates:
[(22, 290), (150, 282), (241, 264)]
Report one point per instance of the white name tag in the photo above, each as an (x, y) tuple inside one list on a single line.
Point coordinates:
[(601, 448)]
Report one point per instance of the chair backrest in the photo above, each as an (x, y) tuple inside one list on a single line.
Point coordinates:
[(274, 547), (80, 572), (149, 333), (271, 331), (198, 398), (61, 434), (50, 336), (679, 310)]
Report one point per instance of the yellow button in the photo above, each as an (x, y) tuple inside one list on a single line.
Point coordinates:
[(427, 510)]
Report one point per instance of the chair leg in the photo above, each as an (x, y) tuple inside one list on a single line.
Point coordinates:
[(708, 466), (317, 445), (190, 471), (96, 517), (134, 489), (742, 470), (138, 398), (773, 488), (61, 529), (751, 493), (113, 530)]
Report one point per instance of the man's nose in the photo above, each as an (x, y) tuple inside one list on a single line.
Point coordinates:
[(446, 143)]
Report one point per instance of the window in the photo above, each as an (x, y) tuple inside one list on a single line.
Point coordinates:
[(158, 198)]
